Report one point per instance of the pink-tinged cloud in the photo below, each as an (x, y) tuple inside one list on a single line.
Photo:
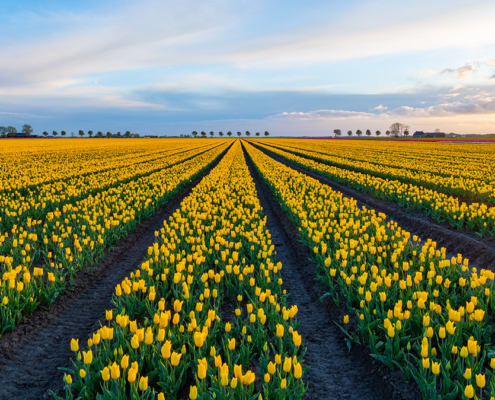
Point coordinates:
[(461, 72), (323, 115)]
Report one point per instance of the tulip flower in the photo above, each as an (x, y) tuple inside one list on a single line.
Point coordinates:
[(143, 383), (193, 392), (74, 345)]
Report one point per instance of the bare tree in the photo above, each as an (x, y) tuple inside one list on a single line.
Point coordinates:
[(337, 132), (437, 130), (27, 129), (397, 129)]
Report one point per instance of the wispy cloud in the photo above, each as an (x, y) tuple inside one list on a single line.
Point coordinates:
[(380, 108), (461, 72), (323, 115)]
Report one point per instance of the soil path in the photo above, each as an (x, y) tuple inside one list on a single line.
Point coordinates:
[(480, 251), (335, 373), (31, 354)]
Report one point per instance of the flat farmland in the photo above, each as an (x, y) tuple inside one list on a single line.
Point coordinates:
[(246, 269)]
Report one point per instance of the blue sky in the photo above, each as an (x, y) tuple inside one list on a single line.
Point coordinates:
[(290, 67)]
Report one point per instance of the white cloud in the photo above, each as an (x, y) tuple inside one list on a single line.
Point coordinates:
[(456, 87), (428, 72), (380, 108), (323, 115)]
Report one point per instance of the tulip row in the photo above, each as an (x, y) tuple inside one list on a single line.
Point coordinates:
[(416, 308), (77, 235), (442, 208), (34, 203), (459, 169), (171, 322), (29, 164)]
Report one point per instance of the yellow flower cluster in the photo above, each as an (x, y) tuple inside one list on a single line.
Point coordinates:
[(476, 217), (76, 234), (170, 318), (418, 308), (462, 169)]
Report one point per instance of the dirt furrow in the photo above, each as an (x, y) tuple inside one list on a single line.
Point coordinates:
[(480, 251), (31, 355), (335, 372)]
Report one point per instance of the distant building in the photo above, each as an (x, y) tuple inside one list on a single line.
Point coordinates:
[(421, 134)]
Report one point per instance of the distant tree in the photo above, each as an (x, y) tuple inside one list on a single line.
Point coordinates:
[(387, 133), (63, 133), (349, 133), (54, 133), (378, 133), (3, 131), (359, 132), (437, 130), (128, 133), (81, 133), (90, 133), (203, 133), (11, 130), (267, 133), (397, 129), (406, 133), (45, 133), (368, 132), (229, 133), (239, 134), (248, 133), (212, 133), (109, 134), (194, 133), (100, 134), (27, 129), (119, 134), (257, 133), (220, 133), (441, 134), (337, 132)]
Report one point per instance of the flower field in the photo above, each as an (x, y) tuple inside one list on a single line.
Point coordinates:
[(206, 313), (476, 217)]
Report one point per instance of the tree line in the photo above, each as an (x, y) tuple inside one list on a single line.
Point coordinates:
[(396, 130), (91, 133), (229, 134), (9, 131)]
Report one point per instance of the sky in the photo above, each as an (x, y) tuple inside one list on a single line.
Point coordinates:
[(290, 67)]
